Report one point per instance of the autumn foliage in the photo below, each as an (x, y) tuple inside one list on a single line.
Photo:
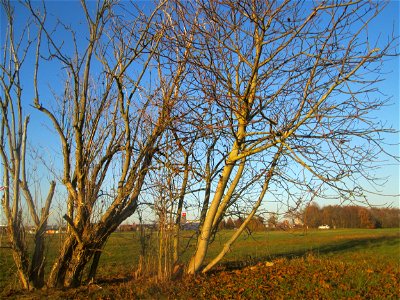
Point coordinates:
[(335, 216), (255, 224), (303, 278), (351, 217)]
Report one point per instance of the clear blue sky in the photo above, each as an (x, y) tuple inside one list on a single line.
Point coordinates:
[(386, 23), (46, 142)]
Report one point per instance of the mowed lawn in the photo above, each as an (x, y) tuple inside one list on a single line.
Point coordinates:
[(121, 252), (323, 264)]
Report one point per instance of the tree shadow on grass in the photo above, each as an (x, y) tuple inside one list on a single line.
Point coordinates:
[(336, 248), (357, 244), (113, 280)]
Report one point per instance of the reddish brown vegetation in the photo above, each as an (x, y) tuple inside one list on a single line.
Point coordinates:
[(351, 216), (302, 278)]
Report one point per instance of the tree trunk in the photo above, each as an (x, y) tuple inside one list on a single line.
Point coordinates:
[(36, 270), (69, 269), (60, 267), (205, 234), (20, 259), (82, 255), (239, 231), (94, 266), (176, 243), (177, 225)]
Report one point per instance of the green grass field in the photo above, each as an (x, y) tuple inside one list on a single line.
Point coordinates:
[(342, 263)]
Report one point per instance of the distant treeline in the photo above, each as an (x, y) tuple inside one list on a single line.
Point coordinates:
[(352, 216), (335, 216)]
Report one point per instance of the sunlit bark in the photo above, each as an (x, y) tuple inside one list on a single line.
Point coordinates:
[(289, 76), (13, 149)]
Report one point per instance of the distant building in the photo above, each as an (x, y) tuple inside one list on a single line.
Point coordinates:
[(183, 219), (189, 225), (127, 227), (324, 227), (55, 229), (50, 229)]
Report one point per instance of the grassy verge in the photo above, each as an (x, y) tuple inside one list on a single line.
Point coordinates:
[(315, 264)]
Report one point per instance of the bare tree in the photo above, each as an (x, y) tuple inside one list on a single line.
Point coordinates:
[(13, 149), (108, 120), (170, 174), (251, 99), (291, 85), (172, 184)]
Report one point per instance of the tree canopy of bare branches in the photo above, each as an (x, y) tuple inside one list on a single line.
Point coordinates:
[(290, 84), (223, 102)]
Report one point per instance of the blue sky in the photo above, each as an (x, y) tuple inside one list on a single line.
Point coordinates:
[(45, 141), (382, 27)]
